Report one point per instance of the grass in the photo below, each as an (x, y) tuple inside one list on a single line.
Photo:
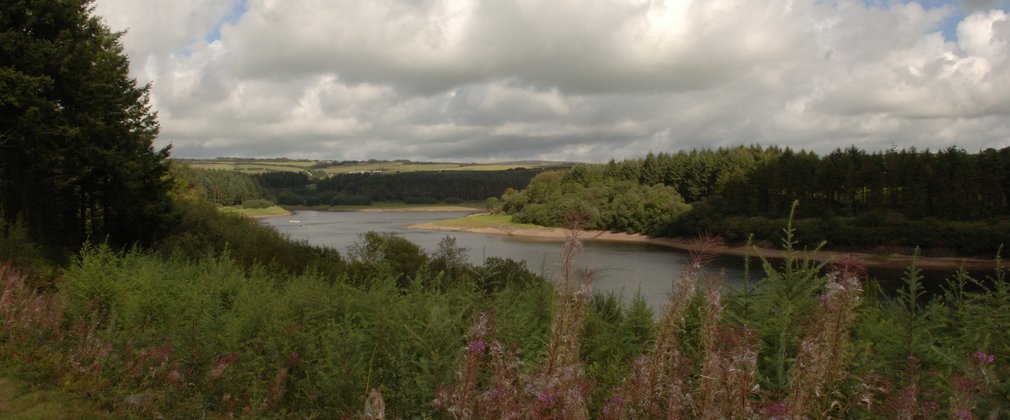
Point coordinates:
[(279, 165), (396, 205), (18, 400), (264, 212), (397, 166), (478, 221), (252, 166)]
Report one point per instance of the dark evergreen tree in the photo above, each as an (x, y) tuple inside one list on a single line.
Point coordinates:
[(76, 132)]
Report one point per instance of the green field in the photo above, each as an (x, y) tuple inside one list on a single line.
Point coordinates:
[(396, 205), (485, 221), (258, 166), (250, 166), (19, 400), (264, 212)]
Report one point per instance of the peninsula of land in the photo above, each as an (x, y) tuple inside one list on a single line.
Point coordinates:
[(501, 225)]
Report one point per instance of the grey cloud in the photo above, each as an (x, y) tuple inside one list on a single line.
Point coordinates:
[(492, 80), (977, 5)]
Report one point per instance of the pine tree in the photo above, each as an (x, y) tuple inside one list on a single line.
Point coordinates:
[(76, 132)]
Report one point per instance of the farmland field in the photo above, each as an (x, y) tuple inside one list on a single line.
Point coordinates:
[(258, 166)]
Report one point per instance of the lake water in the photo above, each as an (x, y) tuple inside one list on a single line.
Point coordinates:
[(623, 268)]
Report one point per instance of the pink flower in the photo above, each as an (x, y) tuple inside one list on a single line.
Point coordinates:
[(775, 409), (985, 358), (477, 347), (545, 398)]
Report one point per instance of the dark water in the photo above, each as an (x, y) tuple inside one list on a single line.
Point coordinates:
[(623, 268)]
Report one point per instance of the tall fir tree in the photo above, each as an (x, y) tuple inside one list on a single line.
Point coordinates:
[(77, 160)]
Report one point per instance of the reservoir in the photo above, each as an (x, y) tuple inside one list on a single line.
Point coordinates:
[(622, 268)]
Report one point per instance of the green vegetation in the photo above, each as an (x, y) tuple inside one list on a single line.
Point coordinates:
[(76, 133), (325, 168), (224, 188), (230, 187), (476, 221), (609, 204), (411, 188), (944, 202), (212, 314), (390, 205), (19, 401), (257, 212), (249, 166), (238, 326)]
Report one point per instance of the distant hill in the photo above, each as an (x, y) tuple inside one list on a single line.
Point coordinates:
[(322, 168)]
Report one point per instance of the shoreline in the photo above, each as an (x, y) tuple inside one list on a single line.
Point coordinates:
[(370, 209), (868, 259)]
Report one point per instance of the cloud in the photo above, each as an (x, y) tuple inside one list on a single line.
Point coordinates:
[(574, 80)]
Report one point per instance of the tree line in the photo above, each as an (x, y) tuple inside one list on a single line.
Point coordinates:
[(231, 188), (949, 199), (77, 160)]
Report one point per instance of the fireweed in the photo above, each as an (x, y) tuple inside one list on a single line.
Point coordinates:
[(145, 336), (824, 357), (556, 388)]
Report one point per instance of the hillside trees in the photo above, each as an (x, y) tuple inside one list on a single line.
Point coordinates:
[(76, 132), (943, 200), (226, 188)]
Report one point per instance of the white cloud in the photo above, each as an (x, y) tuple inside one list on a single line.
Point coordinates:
[(515, 79)]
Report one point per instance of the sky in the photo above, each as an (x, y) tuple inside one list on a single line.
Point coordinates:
[(566, 80)]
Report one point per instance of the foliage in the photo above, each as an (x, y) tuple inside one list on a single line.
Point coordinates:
[(77, 158), (612, 205), (204, 230), (806, 350), (422, 187), (144, 334), (257, 204), (948, 201), (224, 188)]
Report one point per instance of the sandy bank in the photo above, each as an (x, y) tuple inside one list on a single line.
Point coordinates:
[(417, 209), (868, 259), (392, 209)]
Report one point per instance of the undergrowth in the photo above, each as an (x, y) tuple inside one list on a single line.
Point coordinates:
[(146, 334)]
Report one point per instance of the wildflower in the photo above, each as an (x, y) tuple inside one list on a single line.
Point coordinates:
[(825, 299), (545, 398), (962, 414), (775, 409), (477, 347), (612, 406), (985, 358)]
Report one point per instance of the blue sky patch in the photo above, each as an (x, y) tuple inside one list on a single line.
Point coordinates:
[(230, 18)]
